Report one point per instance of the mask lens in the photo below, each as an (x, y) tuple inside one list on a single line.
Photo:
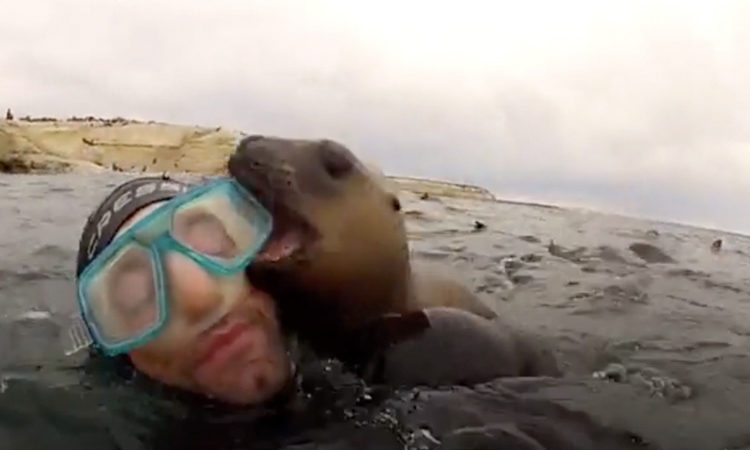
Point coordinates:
[(122, 297), (220, 224), (201, 230), (220, 227)]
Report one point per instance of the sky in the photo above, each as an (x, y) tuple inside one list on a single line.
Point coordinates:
[(634, 107)]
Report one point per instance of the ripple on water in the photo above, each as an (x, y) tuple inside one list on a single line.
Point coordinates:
[(10, 277)]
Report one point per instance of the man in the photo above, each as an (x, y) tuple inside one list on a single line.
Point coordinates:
[(160, 280)]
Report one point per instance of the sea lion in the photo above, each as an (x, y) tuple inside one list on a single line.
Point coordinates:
[(444, 345), (338, 261)]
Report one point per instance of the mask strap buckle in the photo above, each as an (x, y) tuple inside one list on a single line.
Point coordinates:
[(79, 337)]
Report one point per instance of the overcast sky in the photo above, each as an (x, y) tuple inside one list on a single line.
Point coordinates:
[(640, 108)]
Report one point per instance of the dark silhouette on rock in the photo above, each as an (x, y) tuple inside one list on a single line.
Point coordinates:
[(716, 246), (8, 115)]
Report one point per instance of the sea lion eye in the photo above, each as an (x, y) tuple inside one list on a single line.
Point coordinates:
[(335, 160), (396, 203)]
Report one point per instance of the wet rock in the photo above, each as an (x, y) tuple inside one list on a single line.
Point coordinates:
[(529, 238), (650, 253)]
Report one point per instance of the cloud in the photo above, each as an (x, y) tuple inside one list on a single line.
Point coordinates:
[(638, 107)]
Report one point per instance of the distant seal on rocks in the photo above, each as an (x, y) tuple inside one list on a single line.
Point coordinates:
[(338, 264)]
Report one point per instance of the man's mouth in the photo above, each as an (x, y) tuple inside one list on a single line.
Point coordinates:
[(219, 337), (237, 359)]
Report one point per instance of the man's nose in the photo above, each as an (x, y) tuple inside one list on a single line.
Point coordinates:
[(193, 293)]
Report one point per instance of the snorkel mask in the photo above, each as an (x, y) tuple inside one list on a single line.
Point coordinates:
[(121, 282)]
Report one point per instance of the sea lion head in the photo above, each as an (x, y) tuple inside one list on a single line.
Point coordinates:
[(339, 248)]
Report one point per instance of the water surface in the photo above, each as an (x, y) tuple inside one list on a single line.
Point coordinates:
[(648, 301)]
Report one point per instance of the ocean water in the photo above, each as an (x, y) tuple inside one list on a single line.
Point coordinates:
[(652, 328)]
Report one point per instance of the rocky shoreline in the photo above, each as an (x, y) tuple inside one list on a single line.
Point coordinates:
[(47, 145)]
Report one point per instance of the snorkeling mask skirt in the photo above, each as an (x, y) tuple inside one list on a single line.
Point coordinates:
[(122, 285)]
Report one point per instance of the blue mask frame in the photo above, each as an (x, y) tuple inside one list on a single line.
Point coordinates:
[(159, 241)]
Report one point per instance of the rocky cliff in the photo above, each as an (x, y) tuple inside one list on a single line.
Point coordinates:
[(46, 145), (84, 144)]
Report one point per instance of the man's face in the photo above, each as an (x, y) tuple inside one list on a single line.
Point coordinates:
[(222, 337)]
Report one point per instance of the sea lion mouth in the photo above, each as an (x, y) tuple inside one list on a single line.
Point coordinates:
[(290, 241), (273, 182)]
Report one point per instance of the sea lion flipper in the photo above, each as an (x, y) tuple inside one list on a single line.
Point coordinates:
[(457, 347), (437, 286), (370, 341)]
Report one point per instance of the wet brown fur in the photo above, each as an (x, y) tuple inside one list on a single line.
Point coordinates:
[(356, 268)]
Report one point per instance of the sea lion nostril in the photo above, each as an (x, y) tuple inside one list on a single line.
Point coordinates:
[(336, 162)]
